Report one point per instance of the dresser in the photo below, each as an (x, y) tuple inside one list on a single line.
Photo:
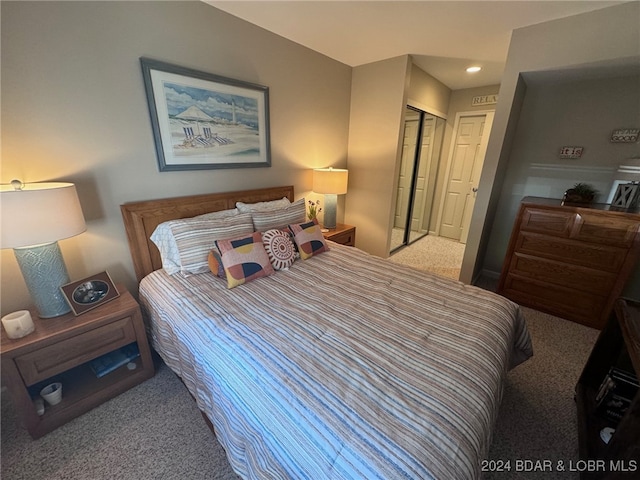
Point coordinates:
[(571, 261)]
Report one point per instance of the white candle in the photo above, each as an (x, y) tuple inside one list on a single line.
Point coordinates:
[(18, 324)]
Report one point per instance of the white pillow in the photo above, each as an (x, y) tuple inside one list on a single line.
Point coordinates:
[(293, 213), (220, 214), (263, 206), (164, 239)]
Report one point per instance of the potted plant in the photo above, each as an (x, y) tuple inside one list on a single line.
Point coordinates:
[(580, 193)]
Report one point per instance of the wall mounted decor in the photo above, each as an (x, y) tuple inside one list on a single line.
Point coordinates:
[(571, 152), (484, 100), (203, 121), (625, 135)]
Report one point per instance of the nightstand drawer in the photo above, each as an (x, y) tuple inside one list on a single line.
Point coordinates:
[(345, 238), (343, 234), (64, 355)]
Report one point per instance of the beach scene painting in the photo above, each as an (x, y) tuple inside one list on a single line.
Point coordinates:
[(203, 121)]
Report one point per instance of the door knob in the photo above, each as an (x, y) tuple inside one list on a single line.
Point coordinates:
[(474, 189)]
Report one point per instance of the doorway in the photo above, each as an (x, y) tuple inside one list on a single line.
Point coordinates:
[(422, 144), (469, 146)]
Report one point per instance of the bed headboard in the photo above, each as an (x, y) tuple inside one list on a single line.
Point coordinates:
[(142, 218)]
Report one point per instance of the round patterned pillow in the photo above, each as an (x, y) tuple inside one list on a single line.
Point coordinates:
[(280, 249)]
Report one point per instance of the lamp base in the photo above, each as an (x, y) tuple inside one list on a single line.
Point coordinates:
[(44, 273), (330, 210)]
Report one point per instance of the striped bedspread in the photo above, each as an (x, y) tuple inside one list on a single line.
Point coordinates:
[(346, 366)]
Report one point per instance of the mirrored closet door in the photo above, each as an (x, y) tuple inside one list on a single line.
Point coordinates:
[(422, 143)]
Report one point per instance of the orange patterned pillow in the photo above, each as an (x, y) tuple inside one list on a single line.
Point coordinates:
[(244, 259), (309, 239)]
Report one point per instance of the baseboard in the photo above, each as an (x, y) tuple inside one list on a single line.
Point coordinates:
[(490, 274)]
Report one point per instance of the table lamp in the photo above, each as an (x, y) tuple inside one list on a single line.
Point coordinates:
[(332, 182), (34, 217)]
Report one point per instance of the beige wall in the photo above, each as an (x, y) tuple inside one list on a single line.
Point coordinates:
[(600, 38), (377, 108), (375, 142), (427, 93), (556, 113), (74, 109)]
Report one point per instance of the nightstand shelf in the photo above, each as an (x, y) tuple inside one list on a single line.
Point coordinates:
[(617, 346), (60, 349), (343, 234)]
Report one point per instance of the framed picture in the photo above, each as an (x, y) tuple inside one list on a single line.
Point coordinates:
[(202, 121), (88, 293), (626, 195)]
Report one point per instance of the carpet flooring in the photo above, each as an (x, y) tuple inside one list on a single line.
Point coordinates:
[(438, 255), (155, 431)]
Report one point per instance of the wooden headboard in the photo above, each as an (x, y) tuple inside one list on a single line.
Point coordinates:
[(142, 218)]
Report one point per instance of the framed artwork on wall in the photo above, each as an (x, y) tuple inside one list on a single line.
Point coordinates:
[(205, 121)]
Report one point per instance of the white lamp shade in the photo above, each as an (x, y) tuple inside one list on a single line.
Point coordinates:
[(39, 213), (330, 180)]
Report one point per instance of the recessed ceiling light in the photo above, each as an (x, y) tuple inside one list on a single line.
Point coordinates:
[(473, 69)]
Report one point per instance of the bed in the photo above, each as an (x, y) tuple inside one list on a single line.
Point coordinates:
[(341, 366)]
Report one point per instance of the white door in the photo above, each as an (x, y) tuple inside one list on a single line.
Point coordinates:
[(464, 175)]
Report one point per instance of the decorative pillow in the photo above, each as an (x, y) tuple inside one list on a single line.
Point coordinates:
[(263, 206), (194, 240), (293, 213), (309, 239), (163, 237), (279, 248), (244, 259), (215, 263)]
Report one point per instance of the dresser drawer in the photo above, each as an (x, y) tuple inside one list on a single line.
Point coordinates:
[(550, 222), (74, 351), (565, 302), (559, 273), (603, 229), (598, 256)]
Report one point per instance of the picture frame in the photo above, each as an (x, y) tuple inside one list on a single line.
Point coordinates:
[(626, 196), (90, 292), (204, 121)]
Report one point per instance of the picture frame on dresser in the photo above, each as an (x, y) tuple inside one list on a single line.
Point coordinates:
[(204, 121), (627, 195)]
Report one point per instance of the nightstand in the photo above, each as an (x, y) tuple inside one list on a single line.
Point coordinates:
[(344, 234), (58, 351)]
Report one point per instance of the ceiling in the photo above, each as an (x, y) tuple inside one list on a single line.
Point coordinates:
[(443, 37)]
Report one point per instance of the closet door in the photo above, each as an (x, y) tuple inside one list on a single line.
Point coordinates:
[(405, 178), (422, 142)]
